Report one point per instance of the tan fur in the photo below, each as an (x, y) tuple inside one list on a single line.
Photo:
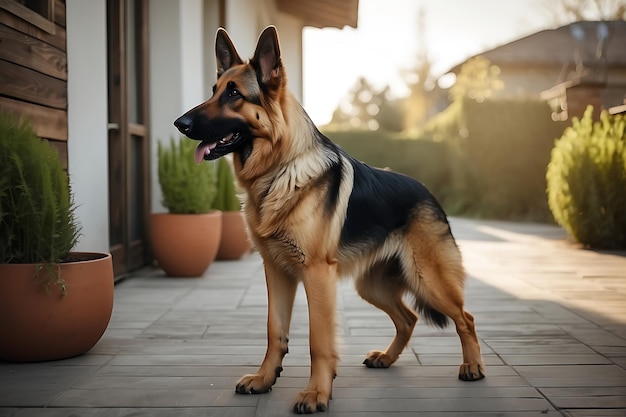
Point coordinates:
[(299, 239)]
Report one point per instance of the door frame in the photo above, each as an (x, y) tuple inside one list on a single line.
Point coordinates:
[(128, 224)]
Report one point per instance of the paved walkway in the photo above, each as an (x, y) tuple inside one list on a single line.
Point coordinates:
[(551, 319)]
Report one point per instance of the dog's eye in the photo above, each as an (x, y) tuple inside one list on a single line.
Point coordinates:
[(233, 92), (214, 88)]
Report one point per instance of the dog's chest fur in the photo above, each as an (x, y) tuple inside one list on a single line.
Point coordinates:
[(289, 215)]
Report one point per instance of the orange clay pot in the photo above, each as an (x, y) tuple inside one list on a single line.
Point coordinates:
[(184, 245), (36, 325), (235, 242)]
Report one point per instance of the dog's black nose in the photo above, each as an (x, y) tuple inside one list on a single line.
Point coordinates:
[(184, 124)]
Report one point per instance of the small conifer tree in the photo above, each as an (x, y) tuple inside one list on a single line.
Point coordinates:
[(187, 187), (37, 217), (226, 199), (586, 180)]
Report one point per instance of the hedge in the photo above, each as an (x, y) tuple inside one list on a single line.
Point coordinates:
[(479, 159)]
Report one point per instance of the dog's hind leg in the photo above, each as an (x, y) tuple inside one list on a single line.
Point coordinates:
[(281, 291), (438, 285), (449, 301), (383, 287)]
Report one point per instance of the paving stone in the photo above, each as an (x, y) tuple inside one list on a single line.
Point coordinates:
[(449, 380), (554, 359), (572, 371), (442, 404), (20, 397), (584, 376), (132, 412), (619, 360), (595, 336), (538, 346), (541, 413), (444, 359), (153, 398), (587, 412), (182, 360), (594, 397)]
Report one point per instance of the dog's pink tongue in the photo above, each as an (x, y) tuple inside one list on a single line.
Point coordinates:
[(202, 150)]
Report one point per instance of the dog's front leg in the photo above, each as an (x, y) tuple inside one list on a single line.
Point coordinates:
[(320, 284), (281, 291)]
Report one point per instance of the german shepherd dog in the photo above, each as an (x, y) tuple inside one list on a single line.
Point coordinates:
[(316, 214)]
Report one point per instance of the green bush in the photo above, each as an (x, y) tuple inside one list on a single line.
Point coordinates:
[(187, 187), (498, 153), (37, 219), (586, 181), (226, 199)]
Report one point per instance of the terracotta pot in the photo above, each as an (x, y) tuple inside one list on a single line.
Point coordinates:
[(36, 325), (184, 245), (235, 241)]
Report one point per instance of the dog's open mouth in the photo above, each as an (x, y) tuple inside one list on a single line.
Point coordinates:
[(208, 150)]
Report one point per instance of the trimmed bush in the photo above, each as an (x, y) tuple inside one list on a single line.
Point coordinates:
[(586, 181), (187, 187), (479, 159)]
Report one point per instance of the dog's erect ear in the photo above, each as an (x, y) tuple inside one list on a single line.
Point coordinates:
[(266, 58), (225, 52)]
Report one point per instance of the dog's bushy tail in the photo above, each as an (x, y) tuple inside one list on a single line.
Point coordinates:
[(431, 316)]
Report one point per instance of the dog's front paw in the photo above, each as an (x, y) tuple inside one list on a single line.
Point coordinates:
[(308, 402), (471, 372), (256, 383), (378, 359)]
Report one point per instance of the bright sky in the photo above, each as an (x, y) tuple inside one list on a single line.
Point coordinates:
[(386, 41)]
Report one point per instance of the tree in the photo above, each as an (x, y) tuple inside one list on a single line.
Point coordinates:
[(419, 81), (477, 80), (358, 109), (365, 108)]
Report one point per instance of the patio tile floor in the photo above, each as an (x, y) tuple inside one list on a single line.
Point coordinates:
[(551, 319)]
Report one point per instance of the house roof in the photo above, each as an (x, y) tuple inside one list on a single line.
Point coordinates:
[(322, 13), (566, 44)]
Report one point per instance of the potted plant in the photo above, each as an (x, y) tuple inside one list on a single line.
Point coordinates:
[(234, 242), (54, 303), (185, 240)]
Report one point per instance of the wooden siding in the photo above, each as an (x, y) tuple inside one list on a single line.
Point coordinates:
[(33, 69)]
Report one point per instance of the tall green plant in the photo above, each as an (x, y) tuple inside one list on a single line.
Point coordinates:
[(586, 180), (187, 187), (226, 199), (37, 219)]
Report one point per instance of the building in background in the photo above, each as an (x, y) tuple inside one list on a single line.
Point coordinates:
[(571, 66)]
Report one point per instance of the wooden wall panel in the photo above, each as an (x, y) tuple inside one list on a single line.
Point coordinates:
[(32, 53), (48, 123), (33, 69), (28, 15), (27, 85), (57, 39), (59, 12)]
